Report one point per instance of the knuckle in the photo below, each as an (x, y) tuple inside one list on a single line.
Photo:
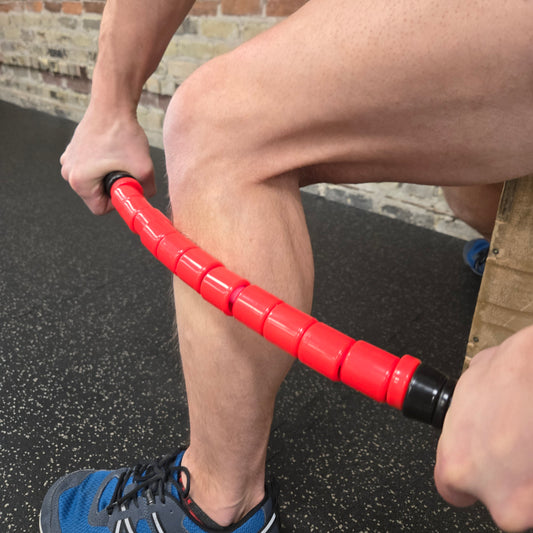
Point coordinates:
[(506, 519), (99, 210), (97, 205), (452, 472), (513, 511), (65, 173), (76, 181)]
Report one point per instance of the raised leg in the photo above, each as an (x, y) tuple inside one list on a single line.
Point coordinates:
[(232, 375), (403, 91)]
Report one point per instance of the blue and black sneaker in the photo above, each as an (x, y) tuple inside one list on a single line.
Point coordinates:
[(475, 255), (148, 498)]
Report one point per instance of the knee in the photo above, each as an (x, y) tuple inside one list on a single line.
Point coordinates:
[(208, 138), (188, 130)]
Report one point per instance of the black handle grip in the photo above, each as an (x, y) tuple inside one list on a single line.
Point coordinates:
[(110, 178), (429, 395)]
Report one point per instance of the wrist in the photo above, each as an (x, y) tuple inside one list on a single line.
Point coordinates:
[(114, 94)]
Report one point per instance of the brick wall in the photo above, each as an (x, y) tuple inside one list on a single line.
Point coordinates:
[(48, 50)]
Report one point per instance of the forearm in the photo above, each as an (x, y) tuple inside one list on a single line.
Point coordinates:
[(133, 37)]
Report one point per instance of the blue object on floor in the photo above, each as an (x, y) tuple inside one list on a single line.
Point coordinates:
[(475, 255)]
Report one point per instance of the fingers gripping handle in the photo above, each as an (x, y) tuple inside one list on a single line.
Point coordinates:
[(404, 383)]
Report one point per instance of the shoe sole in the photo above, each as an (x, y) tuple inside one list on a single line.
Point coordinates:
[(268, 526)]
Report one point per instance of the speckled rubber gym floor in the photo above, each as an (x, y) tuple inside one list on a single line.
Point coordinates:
[(91, 377)]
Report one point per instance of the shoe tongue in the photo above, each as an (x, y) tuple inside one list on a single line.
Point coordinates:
[(177, 462), (107, 493), (127, 486), (179, 458)]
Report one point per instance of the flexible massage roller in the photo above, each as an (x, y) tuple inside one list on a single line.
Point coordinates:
[(405, 383)]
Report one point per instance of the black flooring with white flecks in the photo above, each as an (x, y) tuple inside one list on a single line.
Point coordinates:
[(91, 376)]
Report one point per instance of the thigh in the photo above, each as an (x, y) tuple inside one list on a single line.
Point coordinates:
[(412, 90)]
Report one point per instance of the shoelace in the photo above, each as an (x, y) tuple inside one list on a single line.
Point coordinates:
[(150, 479)]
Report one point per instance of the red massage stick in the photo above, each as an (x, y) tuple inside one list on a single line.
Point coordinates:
[(420, 391)]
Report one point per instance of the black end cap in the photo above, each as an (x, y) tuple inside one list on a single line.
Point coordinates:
[(112, 177), (429, 395)]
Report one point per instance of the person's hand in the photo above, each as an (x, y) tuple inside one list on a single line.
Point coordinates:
[(104, 142), (486, 448)]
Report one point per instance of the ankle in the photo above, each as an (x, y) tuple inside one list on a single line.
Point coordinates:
[(223, 502), (224, 514)]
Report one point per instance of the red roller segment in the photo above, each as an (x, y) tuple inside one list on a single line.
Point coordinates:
[(142, 218), (152, 226), (324, 349), (253, 305), (193, 265), (126, 187), (171, 248), (400, 380), (369, 369), (218, 287), (285, 326), (127, 198)]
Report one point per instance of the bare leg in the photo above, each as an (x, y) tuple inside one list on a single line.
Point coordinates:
[(476, 205), (232, 375), (373, 90)]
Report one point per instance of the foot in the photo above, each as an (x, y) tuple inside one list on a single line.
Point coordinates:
[(149, 498), (475, 254)]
